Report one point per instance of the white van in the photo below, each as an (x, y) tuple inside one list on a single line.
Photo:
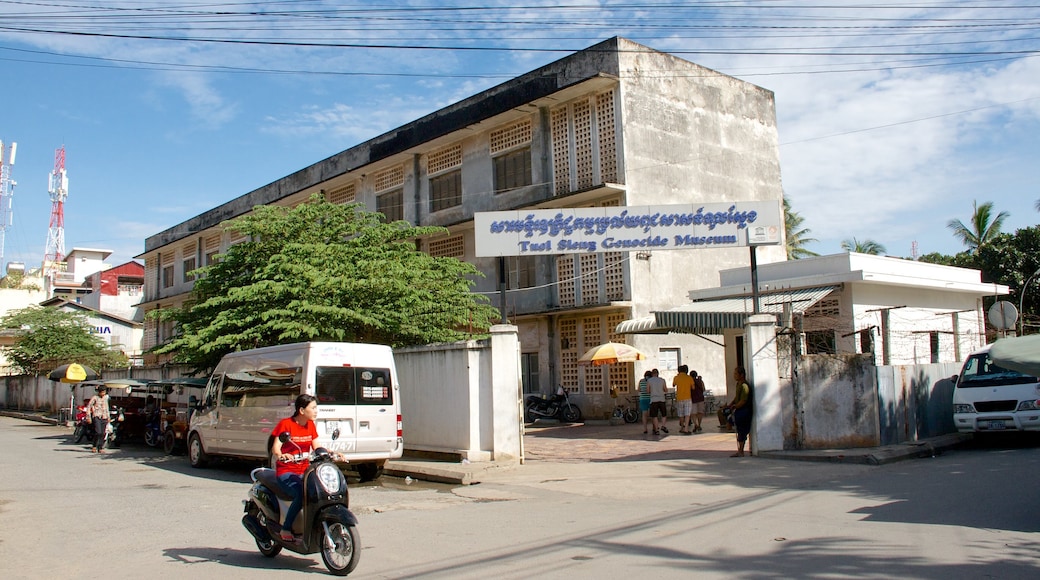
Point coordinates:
[(359, 410), (989, 398)]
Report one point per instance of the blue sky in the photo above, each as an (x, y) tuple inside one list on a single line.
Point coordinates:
[(893, 117)]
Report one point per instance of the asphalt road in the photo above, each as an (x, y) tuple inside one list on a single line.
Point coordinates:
[(134, 513)]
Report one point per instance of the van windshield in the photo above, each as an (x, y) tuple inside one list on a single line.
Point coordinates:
[(353, 386), (981, 371)]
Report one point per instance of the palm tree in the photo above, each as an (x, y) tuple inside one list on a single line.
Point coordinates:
[(865, 247), (796, 238), (984, 226)]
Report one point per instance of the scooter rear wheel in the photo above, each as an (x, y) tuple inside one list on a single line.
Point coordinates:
[(269, 548), (343, 557)]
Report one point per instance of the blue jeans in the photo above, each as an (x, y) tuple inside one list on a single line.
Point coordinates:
[(293, 485)]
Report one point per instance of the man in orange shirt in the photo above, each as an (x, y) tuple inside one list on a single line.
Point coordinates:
[(683, 384)]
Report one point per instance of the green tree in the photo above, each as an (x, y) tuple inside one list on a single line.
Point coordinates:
[(863, 247), (982, 229), (323, 271), (795, 235), (50, 337)]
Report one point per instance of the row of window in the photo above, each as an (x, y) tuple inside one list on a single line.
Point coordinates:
[(511, 170), (187, 266)]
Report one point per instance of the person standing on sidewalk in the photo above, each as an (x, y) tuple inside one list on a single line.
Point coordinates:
[(658, 408), (697, 401), (97, 414), (683, 384), (741, 406), (644, 399)]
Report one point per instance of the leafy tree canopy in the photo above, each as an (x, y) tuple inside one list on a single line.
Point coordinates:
[(1009, 259), (323, 271), (50, 337)]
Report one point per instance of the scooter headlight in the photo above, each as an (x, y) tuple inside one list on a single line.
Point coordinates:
[(330, 478)]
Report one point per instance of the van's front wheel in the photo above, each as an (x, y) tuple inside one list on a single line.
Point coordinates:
[(196, 453)]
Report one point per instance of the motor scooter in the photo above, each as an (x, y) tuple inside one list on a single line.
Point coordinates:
[(85, 427), (559, 406), (325, 523)]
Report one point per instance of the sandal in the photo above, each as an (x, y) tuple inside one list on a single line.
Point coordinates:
[(738, 454), (286, 536)]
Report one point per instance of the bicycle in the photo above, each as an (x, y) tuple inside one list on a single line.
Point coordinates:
[(626, 412)]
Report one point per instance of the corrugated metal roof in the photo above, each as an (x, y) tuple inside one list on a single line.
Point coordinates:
[(714, 316)]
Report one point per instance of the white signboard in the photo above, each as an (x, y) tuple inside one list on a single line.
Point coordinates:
[(622, 229)]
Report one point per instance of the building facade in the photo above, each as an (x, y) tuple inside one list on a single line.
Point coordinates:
[(617, 124)]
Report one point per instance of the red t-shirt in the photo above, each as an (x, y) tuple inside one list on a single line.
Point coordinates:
[(302, 436)]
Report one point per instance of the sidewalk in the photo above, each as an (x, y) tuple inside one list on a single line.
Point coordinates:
[(583, 443)]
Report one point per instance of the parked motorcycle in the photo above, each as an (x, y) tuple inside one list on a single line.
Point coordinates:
[(325, 523), (559, 406), (115, 425), (154, 427), (85, 427)]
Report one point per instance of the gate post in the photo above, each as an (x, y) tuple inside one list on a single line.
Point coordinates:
[(767, 422), (507, 434)]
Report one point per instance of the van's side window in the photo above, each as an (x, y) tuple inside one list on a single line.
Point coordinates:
[(261, 388)]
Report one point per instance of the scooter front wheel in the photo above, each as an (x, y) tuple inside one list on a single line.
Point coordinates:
[(342, 556)]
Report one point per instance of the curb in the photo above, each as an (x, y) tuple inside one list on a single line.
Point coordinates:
[(31, 417), (925, 448)]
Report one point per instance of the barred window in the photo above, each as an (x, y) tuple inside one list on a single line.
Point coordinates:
[(389, 178), (341, 195), (446, 190), (512, 170), (391, 205), (511, 136), (453, 247)]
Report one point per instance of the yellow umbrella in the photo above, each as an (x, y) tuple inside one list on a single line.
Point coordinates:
[(610, 353), (73, 373)]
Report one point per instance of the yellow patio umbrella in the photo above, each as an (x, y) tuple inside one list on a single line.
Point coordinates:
[(610, 353), (73, 373)]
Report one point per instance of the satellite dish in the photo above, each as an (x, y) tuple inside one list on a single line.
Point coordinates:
[(1002, 315)]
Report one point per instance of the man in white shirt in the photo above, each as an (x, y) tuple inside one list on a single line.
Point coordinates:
[(658, 408)]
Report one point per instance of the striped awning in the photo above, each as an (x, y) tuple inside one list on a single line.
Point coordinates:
[(714, 316)]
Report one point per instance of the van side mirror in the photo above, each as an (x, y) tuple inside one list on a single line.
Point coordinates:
[(954, 379), (193, 401)]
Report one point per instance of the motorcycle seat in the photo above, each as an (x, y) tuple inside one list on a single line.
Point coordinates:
[(269, 479)]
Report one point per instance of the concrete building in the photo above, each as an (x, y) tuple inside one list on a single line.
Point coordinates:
[(80, 263), (119, 333), (117, 291), (616, 125)]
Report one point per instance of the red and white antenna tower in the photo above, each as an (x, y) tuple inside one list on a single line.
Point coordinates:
[(6, 192), (59, 190)]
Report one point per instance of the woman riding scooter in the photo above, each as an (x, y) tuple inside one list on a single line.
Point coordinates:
[(290, 467)]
